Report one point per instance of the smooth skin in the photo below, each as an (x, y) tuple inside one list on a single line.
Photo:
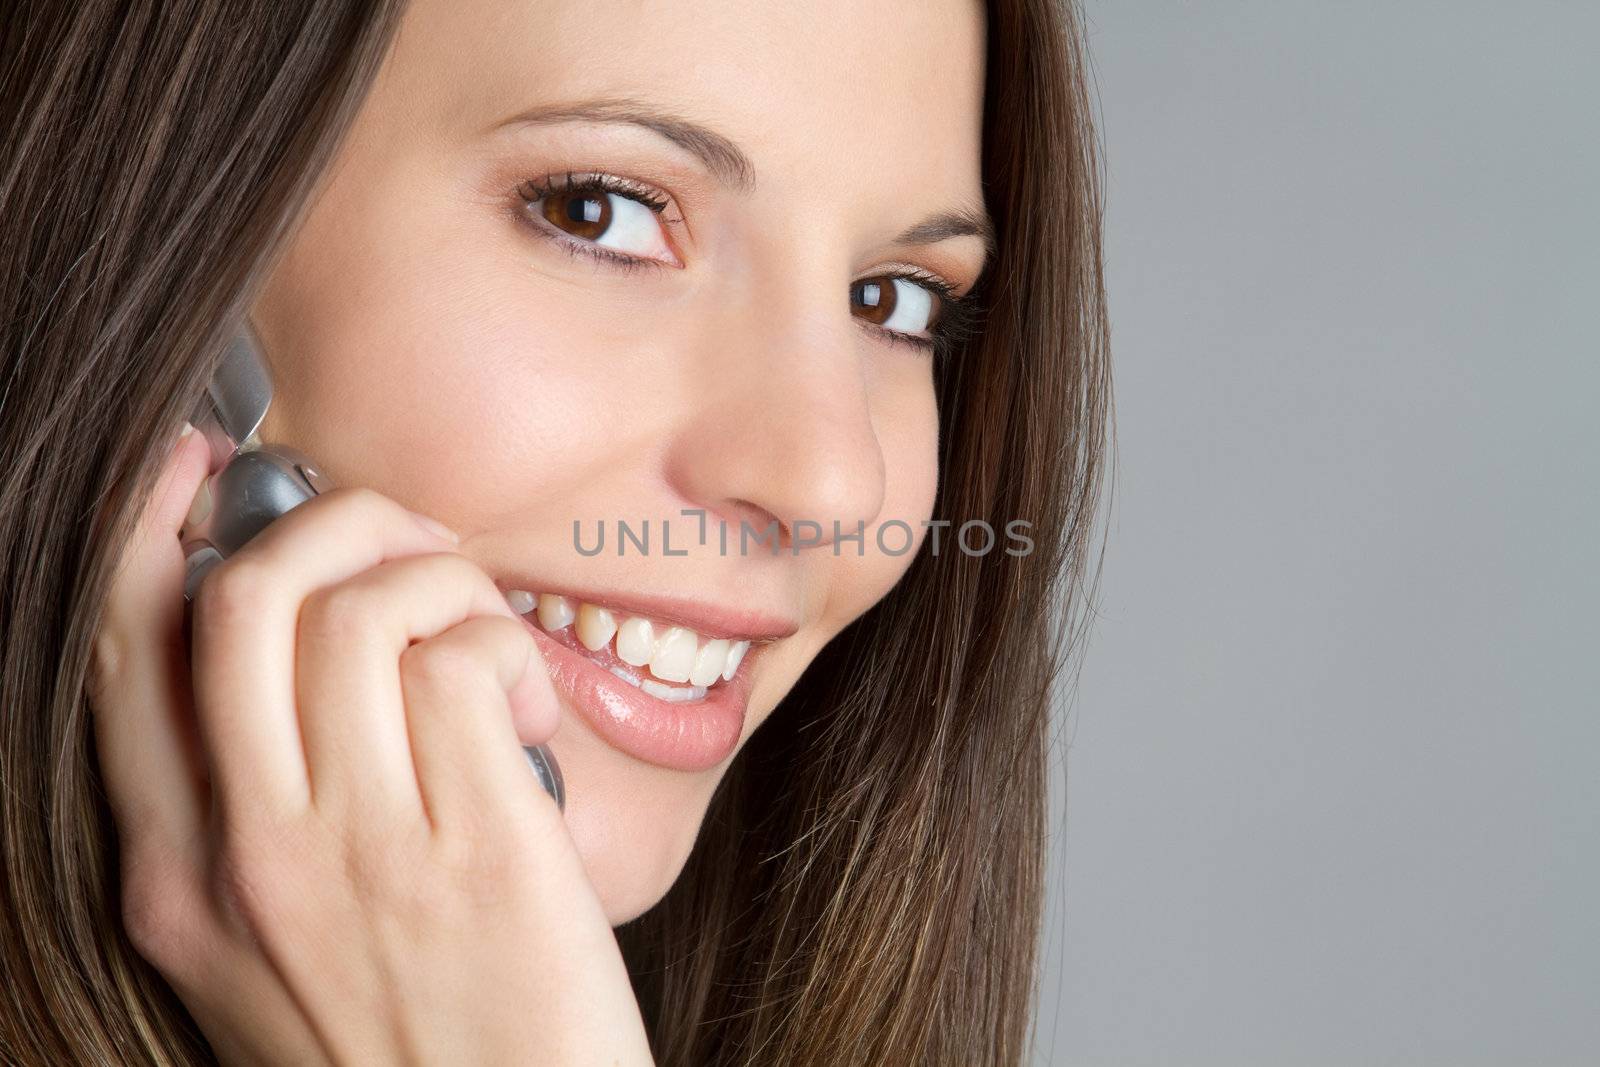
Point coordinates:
[(330, 861), (356, 871)]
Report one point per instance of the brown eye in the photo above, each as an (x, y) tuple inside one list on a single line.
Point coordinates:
[(873, 299), (583, 214), (895, 303), (589, 213)]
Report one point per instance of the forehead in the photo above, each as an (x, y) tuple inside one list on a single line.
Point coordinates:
[(873, 90)]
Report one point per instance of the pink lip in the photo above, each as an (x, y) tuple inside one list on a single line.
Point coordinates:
[(692, 736)]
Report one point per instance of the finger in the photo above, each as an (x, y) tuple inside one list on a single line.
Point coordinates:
[(352, 708), (145, 740), (461, 692), (244, 634)]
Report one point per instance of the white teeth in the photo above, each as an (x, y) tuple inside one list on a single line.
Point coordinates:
[(675, 694), (555, 611), (596, 627), (735, 655), (674, 655), (635, 642), (709, 661), (671, 653)]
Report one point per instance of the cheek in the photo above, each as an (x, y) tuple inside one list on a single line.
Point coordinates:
[(438, 372), (909, 437), (907, 426), (906, 423), (442, 358)]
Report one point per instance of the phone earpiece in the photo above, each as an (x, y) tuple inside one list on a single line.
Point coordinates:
[(257, 483), (250, 485), (250, 490)]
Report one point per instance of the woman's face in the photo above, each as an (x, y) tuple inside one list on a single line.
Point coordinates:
[(714, 336)]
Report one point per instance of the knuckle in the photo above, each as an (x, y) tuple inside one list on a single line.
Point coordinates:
[(519, 646), (438, 663), (454, 569), (469, 573), (478, 864), (367, 822), (344, 608), (232, 593), (155, 913), (484, 644), (253, 875), (455, 573), (236, 885), (380, 868), (362, 504), (353, 497), (503, 637)]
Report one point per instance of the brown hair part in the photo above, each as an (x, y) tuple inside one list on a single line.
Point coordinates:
[(155, 156), (868, 884)]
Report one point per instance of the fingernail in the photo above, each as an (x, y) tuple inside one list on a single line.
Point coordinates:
[(437, 528), (201, 507), (196, 567), (187, 430)]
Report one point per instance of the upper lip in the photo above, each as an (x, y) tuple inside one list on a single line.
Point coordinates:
[(706, 619)]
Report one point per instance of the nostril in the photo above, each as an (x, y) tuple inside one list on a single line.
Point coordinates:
[(741, 514)]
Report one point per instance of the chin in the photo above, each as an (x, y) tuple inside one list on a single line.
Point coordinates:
[(655, 701), (634, 824), (632, 859)]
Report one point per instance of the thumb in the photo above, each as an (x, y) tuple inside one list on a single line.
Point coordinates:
[(151, 568), (148, 752)]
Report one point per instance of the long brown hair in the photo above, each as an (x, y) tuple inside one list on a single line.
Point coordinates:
[(868, 883)]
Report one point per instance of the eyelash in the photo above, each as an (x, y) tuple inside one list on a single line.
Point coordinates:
[(957, 322), (958, 315), (533, 190)]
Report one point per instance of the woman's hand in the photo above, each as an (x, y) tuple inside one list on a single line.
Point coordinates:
[(332, 846)]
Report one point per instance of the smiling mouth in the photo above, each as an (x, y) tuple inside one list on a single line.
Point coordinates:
[(669, 662)]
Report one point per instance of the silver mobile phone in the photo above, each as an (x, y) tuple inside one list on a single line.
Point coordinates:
[(257, 482)]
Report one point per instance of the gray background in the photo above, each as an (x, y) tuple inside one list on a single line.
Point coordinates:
[(1332, 763)]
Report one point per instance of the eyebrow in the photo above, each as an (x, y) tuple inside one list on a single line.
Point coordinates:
[(967, 222), (721, 156), (730, 165)]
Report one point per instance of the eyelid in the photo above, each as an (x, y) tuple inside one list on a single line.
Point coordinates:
[(944, 292), (567, 181), (532, 190), (929, 344), (950, 329), (575, 246), (931, 279), (936, 342)]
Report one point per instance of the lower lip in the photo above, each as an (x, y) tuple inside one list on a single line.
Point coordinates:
[(694, 735)]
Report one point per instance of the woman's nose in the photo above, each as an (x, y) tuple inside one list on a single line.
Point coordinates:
[(786, 432)]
